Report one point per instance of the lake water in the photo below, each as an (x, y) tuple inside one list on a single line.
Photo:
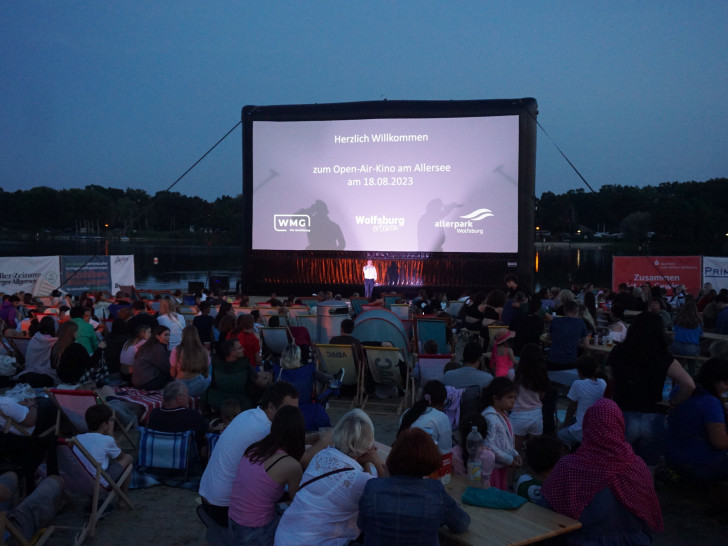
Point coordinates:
[(558, 264)]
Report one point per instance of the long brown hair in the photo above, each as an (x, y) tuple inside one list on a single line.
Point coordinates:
[(192, 357), (687, 316), (66, 336)]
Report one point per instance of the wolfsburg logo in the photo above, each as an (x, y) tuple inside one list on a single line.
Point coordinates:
[(292, 222)]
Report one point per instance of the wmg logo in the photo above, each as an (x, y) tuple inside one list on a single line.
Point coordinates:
[(292, 222)]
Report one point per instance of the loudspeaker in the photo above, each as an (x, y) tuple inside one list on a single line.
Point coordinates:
[(221, 284)]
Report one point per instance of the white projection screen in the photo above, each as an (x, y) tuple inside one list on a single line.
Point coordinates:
[(390, 178)]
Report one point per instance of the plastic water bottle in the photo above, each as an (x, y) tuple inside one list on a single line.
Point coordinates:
[(474, 445)]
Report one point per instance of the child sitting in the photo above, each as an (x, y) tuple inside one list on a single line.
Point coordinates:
[(542, 454), (583, 393), (100, 444), (229, 410)]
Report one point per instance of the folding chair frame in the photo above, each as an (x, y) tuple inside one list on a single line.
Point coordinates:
[(408, 385), (15, 533)]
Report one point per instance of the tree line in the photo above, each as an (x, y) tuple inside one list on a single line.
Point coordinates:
[(678, 213)]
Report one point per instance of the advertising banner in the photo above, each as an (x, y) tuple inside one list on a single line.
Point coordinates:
[(38, 275), (664, 271), (715, 271), (84, 274), (122, 272)]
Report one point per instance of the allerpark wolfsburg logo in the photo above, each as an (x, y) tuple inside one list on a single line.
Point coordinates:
[(292, 222), (477, 215)]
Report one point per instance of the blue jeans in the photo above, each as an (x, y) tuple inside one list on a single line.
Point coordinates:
[(646, 434), (197, 385), (255, 536)]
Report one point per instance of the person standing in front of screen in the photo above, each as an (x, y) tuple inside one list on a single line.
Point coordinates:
[(370, 277)]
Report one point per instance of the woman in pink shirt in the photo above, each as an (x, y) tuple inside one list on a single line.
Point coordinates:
[(263, 473)]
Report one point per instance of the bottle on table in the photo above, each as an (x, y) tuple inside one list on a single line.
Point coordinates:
[(474, 445)]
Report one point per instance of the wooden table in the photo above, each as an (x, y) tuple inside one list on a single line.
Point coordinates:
[(488, 526)]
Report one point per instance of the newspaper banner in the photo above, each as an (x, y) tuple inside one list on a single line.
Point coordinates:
[(664, 271), (715, 271), (85, 274), (38, 275)]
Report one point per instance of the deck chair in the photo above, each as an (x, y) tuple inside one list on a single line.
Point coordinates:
[(432, 367), (73, 406), (19, 345), (310, 323), (333, 357), (454, 308), (40, 538), (389, 299), (310, 301), (72, 457), (401, 310), (295, 310), (383, 363), (432, 328), (275, 339), (357, 304), (171, 450)]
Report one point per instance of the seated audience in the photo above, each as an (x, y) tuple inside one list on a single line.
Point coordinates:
[(326, 506), (605, 485), (542, 454), (404, 508), (73, 364), (204, 322), (471, 372), (583, 393), (151, 363), (34, 512), (130, 348), (697, 441), (176, 416), (427, 414), (268, 468), (189, 362), (38, 371), (687, 330)]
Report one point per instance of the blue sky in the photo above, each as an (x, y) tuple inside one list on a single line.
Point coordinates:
[(130, 94)]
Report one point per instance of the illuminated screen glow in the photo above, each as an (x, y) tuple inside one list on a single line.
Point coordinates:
[(399, 185)]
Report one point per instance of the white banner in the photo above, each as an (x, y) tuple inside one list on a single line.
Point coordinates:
[(38, 275), (715, 271), (122, 272)]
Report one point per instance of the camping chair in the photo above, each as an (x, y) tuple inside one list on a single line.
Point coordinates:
[(80, 480), (171, 450), (275, 340), (73, 406), (432, 367), (383, 364), (312, 406), (333, 357), (389, 299), (433, 328)]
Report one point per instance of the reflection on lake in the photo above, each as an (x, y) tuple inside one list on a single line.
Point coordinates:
[(557, 264)]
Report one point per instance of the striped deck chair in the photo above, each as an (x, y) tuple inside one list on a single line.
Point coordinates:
[(172, 450)]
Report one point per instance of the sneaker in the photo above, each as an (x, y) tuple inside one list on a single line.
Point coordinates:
[(338, 379)]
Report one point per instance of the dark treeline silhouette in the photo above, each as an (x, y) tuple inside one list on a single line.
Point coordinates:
[(677, 213), (125, 211)]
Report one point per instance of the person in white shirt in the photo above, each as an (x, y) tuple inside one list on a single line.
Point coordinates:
[(583, 393), (370, 277)]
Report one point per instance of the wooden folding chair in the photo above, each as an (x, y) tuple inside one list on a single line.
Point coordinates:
[(357, 304), (383, 364), (73, 405), (73, 458), (275, 339), (433, 328), (432, 367), (40, 538), (170, 450), (401, 310), (333, 357)]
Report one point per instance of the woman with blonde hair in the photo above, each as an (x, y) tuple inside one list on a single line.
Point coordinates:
[(189, 362), (169, 317)]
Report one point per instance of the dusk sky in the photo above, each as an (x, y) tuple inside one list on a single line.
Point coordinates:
[(131, 93)]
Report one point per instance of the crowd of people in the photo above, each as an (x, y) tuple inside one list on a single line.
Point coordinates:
[(261, 483)]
